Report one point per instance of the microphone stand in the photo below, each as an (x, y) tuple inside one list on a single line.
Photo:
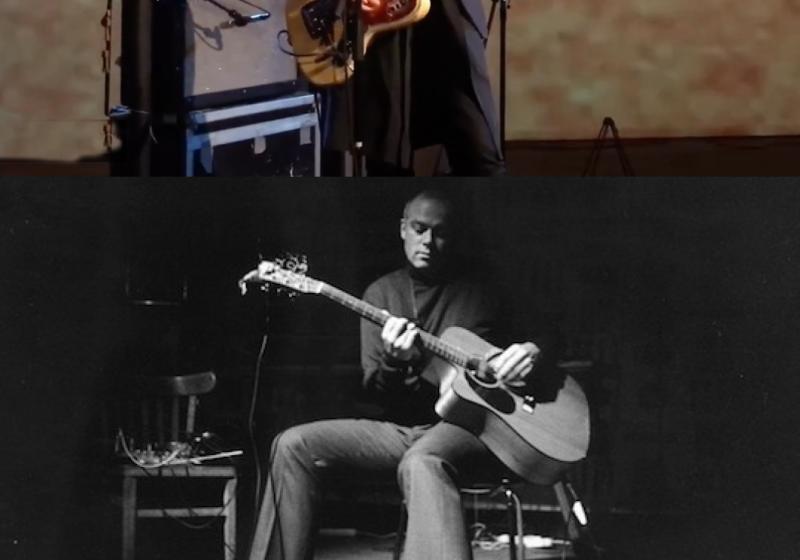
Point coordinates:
[(594, 155), (353, 10), (505, 5), (237, 18)]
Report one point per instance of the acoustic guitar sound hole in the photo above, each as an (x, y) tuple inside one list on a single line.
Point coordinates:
[(495, 397), (482, 380)]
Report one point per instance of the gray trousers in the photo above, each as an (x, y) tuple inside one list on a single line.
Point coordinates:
[(430, 463)]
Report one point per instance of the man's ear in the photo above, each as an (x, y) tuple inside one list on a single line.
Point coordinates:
[(403, 229)]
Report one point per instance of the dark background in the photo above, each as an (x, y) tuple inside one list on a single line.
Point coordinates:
[(682, 293)]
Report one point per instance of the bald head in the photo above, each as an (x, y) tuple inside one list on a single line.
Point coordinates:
[(427, 229), (430, 197)]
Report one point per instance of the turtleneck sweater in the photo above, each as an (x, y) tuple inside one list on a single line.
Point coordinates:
[(433, 304)]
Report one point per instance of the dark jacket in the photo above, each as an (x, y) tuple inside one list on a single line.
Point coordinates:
[(447, 45)]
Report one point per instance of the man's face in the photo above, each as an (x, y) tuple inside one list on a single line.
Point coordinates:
[(426, 233)]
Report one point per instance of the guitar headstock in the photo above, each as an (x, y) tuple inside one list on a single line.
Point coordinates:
[(285, 272)]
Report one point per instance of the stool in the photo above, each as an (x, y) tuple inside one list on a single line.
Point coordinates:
[(569, 504)]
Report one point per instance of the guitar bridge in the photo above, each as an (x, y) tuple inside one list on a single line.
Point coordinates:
[(528, 404)]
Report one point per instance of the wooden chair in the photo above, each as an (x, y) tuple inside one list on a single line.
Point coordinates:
[(159, 421)]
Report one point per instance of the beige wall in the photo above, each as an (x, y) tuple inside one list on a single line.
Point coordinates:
[(52, 99), (660, 68)]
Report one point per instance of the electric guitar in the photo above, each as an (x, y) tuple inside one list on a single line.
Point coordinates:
[(316, 30), (535, 436)]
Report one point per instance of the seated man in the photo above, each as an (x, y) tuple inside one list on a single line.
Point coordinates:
[(430, 457)]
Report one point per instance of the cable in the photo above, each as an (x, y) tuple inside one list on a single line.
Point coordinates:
[(485, 539), (251, 431), (147, 467), (332, 51), (251, 420), (192, 513), (482, 537), (143, 464), (271, 483)]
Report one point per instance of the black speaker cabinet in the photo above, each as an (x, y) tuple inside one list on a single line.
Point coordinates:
[(233, 52)]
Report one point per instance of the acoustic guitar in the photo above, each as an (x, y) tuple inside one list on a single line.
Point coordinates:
[(321, 33), (535, 436)]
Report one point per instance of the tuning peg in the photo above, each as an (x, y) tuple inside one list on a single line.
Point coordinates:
[(302, 265), (293, 263)]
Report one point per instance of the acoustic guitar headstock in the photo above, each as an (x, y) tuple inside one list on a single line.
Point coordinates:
[(286, 273)]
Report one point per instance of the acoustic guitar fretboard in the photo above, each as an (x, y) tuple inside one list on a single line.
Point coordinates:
[(370, 312)]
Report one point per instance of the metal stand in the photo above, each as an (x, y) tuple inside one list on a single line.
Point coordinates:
[(577, 522), (211, 128), (591, 164), (505, 5), (237, 19), (516, 542), (354, 22)]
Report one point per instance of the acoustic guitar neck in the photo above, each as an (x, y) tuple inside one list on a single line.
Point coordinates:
[(432, 343)]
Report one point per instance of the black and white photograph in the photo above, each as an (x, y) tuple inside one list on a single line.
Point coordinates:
[(394, 370)]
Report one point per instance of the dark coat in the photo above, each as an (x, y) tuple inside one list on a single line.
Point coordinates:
[(447, 50)]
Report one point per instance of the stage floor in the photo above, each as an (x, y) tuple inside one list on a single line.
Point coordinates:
[(368, 547)]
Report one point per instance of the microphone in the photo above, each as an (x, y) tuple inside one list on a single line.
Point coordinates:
[(238, 20)]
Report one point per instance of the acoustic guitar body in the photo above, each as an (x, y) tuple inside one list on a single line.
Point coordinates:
[(536, 439)]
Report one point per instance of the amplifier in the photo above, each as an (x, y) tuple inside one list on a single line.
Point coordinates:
[(234, 52)]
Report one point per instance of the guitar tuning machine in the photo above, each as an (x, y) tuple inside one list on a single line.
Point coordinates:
[(293, 263)]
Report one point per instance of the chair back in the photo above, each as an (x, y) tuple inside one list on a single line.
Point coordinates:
[(159, 412)]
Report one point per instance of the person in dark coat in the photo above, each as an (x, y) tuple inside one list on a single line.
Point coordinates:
[(418, 86)]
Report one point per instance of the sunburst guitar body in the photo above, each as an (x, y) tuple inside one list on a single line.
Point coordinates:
[(317, 35)]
